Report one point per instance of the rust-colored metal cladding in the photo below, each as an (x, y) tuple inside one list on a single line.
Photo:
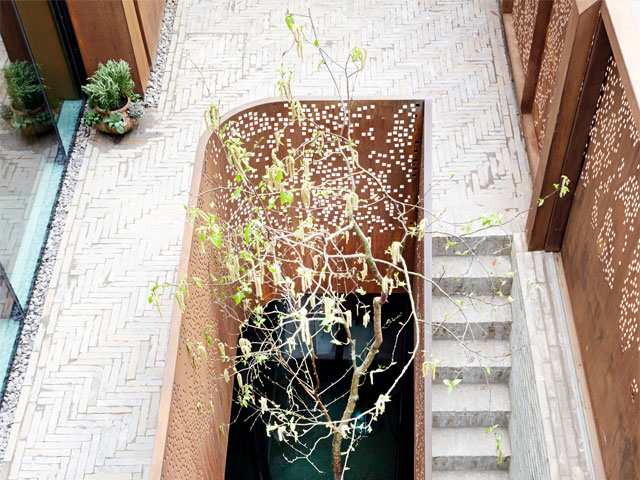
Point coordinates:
[(556, 34), (601, 258), (389, 139), (559, 90)]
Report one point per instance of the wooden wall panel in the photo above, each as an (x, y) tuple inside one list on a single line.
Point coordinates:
[(44, 40), (601, 258), (11, 35), (150, 19), (109, 30), (556, 105)]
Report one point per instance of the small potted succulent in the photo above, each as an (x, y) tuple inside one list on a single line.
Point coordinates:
[(27, 112), (113, 106)]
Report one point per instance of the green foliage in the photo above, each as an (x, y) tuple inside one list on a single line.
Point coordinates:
[(5, 113), (21, 123), (115, 122), (451, 383), (43, 118), (135, 110), (91, 117), (110, 86), (23, 86)]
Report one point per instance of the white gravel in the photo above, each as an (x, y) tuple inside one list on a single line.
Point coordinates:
[(154, 84), (43, 277)]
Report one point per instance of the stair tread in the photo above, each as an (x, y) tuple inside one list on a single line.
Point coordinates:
[(482, 308), (480, 266), (491, 353), (470, 475), (480, 244), (471, 397), (469, 442)]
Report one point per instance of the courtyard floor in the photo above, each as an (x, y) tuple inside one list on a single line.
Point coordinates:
[(90, 397)]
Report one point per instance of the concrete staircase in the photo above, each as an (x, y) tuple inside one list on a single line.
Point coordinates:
[(472, 325)]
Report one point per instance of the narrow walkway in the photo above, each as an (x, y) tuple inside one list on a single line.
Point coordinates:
[(89, 402)]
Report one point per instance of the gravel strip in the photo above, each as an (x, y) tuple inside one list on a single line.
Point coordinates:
[(154, 84), (45, 270)]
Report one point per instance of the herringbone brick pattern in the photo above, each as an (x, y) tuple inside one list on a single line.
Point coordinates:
[(89, 402)]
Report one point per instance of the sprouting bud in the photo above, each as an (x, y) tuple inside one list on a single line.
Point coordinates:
[(202, 351), (226, 375), (263, 405), (277, 274), (245, 346), (306, 277), (305, 332), (365, 319), (381, 404), (396, 252), (221, 348), (422, 226), (305, 193), (387, 285), (239, 380)]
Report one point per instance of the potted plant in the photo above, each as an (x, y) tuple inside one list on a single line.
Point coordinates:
[(27, 112), (113, 106)]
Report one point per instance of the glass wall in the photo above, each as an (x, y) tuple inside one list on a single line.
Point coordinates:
[(40, 106)]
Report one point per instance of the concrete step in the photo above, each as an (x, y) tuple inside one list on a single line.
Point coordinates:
[(480, 275), (470, 405), (482, 317), (469, 449), (476, 361), (480, 245), (471, 475)]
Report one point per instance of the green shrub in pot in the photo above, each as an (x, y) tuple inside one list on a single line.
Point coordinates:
[(27, 112), (110, 94)]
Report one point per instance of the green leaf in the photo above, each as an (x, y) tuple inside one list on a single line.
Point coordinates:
[(247, 233), (238, 297), (286, 196), (451, 383), (216, 239), (316, 43), (491, 428), (290, 21), (236, 193)]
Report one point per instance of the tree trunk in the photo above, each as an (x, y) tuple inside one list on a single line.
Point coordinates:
[(358, 372)]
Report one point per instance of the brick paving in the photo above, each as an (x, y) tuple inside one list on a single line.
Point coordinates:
[(89, 401)]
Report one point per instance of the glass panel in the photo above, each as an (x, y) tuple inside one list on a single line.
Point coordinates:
[(44, 38), (39, 105), (10, 317)]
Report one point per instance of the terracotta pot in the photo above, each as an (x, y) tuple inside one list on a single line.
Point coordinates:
[(129, 122), (34, 128)]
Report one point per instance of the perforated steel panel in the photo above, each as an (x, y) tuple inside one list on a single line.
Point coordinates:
[(601, 255), (524, 20), (556, 33), (388, 136)]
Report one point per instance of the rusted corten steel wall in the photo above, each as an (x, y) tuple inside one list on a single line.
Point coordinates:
[(390, 140), (601, 258), (549, 46), (587, 124)]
